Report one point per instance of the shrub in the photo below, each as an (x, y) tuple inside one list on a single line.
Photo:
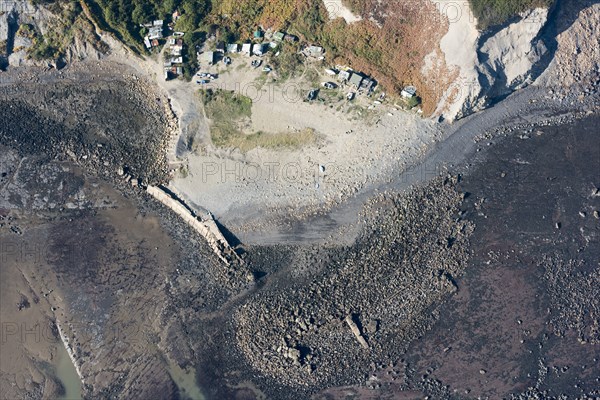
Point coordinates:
[(43, 50), (413, 101), (287, 62), (494, 12), (27, 31), (358, 7)]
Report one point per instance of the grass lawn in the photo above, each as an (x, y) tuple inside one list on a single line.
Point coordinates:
[(227, 110)]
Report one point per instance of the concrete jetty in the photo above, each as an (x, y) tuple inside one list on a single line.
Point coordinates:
[(204, 224)]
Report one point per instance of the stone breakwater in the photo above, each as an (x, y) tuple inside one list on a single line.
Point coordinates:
[(70, 351), (205, 225)]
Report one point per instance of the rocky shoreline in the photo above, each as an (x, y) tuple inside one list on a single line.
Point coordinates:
[(402, 265), (80, 116), (285, 330)]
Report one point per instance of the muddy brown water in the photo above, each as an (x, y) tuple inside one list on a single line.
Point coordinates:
[(66, 373)]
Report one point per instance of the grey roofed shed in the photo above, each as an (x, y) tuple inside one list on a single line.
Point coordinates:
[(409, 91), (209, 57), (356, 79)]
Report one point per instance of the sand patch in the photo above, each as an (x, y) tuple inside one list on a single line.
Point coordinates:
[(337, 9)]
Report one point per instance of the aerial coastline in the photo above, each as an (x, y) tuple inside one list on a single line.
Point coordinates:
[(252, 234)]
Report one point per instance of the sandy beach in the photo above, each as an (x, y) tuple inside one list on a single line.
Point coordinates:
[(357, 146)]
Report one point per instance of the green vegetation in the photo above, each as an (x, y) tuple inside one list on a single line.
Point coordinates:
[(488, 12), (2, 46), (312, 76), (494, 12), (363, 45), (358, 7), (70, 25), (228, 110), (43, 49), (26, 31), (261, 80), (287, 62), (392, 51), (191, 40), (286, 140), (124, 17), (413, 101), (225, 109), (241, 17), (223, 104)]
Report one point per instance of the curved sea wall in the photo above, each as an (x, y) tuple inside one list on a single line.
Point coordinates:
[(205, 225)]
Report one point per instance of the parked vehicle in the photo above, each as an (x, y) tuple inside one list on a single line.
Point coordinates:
[(256, 63), (312, 94), (203, 82), (350, 96), (267, 69), (227, 60), (329, 85)]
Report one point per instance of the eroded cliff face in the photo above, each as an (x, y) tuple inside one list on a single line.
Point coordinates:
[(507, 58), (558, 46), (577, 57), (52, 35), (488, 66)]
